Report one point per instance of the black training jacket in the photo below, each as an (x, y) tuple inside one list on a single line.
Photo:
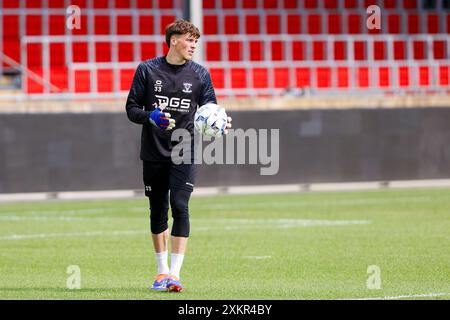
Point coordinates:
[(182, 87)]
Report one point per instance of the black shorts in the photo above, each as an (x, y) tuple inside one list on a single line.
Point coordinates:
[(164, 176)]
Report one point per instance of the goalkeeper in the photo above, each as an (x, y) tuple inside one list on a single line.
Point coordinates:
[(164, 95)]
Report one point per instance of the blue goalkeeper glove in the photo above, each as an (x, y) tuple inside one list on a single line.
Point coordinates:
[(161, 119)]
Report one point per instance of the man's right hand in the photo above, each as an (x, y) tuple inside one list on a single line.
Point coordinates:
[(162, 119)]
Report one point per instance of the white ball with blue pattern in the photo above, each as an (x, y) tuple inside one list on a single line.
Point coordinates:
[(211, 120)]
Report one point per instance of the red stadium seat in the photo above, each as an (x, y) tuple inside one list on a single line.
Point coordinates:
[(277, 50), (270, 4), (339, 50), (334, 24), (439, 49), (214, 51), (230, 4), (105, 80), (252, 24), (34, 86), (57, 55), (384, 77), (323, 77), (359, 48), (433, 23), (231, 24), (234, 51), (146, 25), (125, 51), (11, 4), (33, 25), (394, 23), (319, 50), (165, 4), (208, 4), (57, 25), (342, 77), (330, 4), (351, 4), (249, 4), (126, 79), (419, 50), (298, 50), (11, 48), (101, 25), (314, 23), (424, 76), (389, 4), (123, 4), (100, 4), (256, 50), (210, 25), (56, 4), (294, 24), (80, 52), (273, 24), (82, 81), (444, 76), (410, 4), (403, 76), (238, 78), (303, 77), (414, 23), (102, 52), (354, 24), (34, 55), (260, 78), (148, 50), (363, 77), (218, 77), (144, 4), (124, 25), (281, 77), (379, 50), (59, 78), (33, 4), (399, 50), (310, 4), (290, 4)]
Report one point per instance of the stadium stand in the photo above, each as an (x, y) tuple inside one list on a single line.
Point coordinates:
[(262, 48)]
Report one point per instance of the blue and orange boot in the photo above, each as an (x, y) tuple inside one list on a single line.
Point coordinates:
[(173, 284), (160, 283)]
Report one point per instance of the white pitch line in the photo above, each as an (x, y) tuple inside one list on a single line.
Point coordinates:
[(69, 234), (423, 295)]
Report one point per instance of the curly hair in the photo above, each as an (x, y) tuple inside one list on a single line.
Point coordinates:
[(181, 27)]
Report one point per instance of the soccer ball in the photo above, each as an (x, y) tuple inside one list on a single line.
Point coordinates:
[(211, 120)]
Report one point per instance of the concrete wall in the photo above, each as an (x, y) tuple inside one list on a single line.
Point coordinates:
[(100, 151)]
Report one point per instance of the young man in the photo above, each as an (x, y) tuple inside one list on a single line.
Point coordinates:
[(179, 85)]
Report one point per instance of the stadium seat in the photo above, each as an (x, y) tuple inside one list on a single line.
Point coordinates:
[(101, 24), (80, 52), (290, 4), (342, 77), (359, 48), (419, 50), (125, 51), (270, 4), (410, 4), (59, 77), (146, 25), (277, 50), (403, 76), (34, 55), (252, 23), (33, 25), (82, 81), (298, 50), (414, 23), (124, 25), (433, 23), (363, 76), (294, 24), (214, 51), (231, 24), (330, 4), (444, 76), (57, 55), (144, 4), (424, 76), (210, 25), (218, 77), (57, 25), (256, 50), (351, 4), (379, 50), (384, 77), (260, 78), (303, 77), (56, 4), (148, 50), (334, 24), (394, 23), (238, 78), (323, 77), (314, 24), (273, 24), (440, 49), (354, 24), (234, 50), (339, 50), (165, 20), (34, 86), (319, 50), (102, 52), (126, 78), (399, 50), (281, 78), (105, 80), (123, 4)]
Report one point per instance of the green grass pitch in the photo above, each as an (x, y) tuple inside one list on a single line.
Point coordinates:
[(280, 246)]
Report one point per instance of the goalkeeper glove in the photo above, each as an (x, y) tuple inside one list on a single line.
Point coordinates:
[(161, 119)]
